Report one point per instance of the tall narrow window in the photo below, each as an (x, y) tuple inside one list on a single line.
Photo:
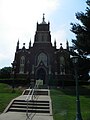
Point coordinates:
[(62, 65), (22, 64)]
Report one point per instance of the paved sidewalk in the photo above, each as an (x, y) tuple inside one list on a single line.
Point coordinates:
[(22, 115)]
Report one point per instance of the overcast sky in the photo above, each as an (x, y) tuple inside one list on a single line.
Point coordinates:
[(18, 20)]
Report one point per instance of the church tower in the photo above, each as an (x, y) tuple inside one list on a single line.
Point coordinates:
[(43, 52), (43, 32)]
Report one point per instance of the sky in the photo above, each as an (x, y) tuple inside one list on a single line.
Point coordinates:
[(18, 20)]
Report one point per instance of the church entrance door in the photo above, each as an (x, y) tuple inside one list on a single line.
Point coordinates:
[(41, 74)]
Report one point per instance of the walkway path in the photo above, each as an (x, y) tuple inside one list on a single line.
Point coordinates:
[(38, 110)]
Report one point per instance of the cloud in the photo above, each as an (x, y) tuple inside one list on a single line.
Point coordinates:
[(18, 20)]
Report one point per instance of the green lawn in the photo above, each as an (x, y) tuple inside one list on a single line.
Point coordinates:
[(6, 95), (63, 100), (64, 103)]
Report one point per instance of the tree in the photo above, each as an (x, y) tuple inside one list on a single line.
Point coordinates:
[(82, 32), (82, 42), (5, 72)]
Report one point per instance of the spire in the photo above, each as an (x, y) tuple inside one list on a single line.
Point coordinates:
[(17, 47), (18, 42), (43, 19), (30, 44), (61, 46), (67, 45), (23, 46), (55, 43)]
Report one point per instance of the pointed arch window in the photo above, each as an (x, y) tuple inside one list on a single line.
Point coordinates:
[(22, 64), (42, 57), (62, 65)]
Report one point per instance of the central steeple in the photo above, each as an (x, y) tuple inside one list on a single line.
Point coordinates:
[(43, 19), (43, 32)]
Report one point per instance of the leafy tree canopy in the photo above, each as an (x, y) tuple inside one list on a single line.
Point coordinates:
[(5, 72), (82, 32), (82, 42)]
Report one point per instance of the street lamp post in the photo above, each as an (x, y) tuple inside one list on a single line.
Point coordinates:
[(78, 111)]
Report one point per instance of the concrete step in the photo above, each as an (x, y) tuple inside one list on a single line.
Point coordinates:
[(39, 104), (29, 110), (36, 92), (33, 106), (30, 106), (31, 101), (23, 102)]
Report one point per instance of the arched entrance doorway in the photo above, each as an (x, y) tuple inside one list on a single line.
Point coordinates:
[(41, 74)]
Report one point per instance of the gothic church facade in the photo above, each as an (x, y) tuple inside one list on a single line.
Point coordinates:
[(42, 60)]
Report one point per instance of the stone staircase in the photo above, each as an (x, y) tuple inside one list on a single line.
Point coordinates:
[(33, 106), (40, 105)]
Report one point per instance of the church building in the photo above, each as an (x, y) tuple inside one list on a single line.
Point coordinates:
[(42, 60)]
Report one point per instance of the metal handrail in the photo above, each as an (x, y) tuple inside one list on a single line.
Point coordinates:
[(29, 98)]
